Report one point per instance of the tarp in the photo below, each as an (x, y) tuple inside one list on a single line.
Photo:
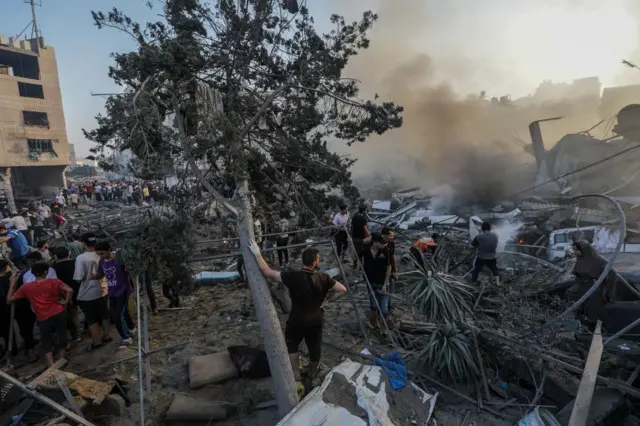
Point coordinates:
[(355, 394)]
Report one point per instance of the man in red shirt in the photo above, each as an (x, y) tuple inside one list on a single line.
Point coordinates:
[(50, 309)]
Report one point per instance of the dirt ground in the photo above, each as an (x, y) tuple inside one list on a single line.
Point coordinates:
[(220, 316)]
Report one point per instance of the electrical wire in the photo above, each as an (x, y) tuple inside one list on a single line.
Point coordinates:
[(578, 170)]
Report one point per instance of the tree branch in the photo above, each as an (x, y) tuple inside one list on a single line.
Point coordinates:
[(184, 140), (263, 108)]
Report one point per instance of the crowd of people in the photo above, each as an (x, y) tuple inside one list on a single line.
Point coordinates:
[(51, 290), (129, 192)]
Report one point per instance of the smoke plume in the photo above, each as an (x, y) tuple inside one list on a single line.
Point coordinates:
[(449, 137)]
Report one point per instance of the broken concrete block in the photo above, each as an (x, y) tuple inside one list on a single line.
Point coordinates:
[(213, 368), (186, 407), (608, 407)]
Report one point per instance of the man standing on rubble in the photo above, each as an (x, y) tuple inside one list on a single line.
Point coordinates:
[(377, 268), (486, 244), (90, 293), (308, 289), (359, 232), (341, 220)]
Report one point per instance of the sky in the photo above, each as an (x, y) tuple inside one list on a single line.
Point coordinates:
[(502, 46)]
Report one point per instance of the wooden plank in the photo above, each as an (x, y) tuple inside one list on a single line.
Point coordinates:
[(580, 412), (43, 399), (59, 364)]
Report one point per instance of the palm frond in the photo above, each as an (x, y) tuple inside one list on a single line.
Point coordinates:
[(440, 297), (449, 355)]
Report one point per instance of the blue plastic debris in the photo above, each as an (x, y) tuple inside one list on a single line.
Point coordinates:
[(393, 364)]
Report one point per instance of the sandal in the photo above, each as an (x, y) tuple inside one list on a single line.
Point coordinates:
[(93, 347)]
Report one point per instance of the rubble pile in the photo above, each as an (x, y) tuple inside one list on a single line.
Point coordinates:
[(531, 340)]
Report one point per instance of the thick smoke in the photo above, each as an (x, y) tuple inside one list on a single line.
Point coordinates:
[(476, 146)]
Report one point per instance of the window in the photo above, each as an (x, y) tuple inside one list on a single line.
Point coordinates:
[(35, 118), (560, 239), (28, 90), (21, 64), (40, 145)]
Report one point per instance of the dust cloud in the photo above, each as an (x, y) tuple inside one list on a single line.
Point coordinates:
[(452, 134)]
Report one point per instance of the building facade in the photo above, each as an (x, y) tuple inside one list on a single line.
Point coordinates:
[(34, 151)]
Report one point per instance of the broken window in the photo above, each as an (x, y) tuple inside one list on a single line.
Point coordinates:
[(35, 118), (40, 145), (20, 64), (28, 90)]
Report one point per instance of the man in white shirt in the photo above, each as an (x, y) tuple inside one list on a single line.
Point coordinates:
[(21, 225), (90, 293), (341, 220)]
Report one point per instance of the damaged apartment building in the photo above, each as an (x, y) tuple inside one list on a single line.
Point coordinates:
[(34, 151)]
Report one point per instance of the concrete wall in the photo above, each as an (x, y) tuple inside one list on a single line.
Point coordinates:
[(14, 150)]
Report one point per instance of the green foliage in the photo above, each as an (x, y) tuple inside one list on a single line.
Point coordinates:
[(440, 297), (449, 355), (242, 55), (161, 246)]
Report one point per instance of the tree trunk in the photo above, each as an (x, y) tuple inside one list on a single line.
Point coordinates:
[(281, 370), (8, 189)]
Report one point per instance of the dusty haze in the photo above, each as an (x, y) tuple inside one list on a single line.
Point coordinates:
[(449, 135)]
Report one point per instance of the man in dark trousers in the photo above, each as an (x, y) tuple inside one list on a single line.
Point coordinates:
[(486, 244), (65, 268), (308, 289), (359, 232), (377, 268)]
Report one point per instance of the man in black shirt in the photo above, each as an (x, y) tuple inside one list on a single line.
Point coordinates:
[(359, 232), (65, 268), (308, 289), (377, 268)]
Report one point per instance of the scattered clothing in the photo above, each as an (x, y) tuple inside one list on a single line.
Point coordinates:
[(394, 365)]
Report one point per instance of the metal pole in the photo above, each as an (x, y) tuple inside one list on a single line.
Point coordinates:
[(35, 23), (147, 360), (621, 332), (351, 295), (131, 358), (140, 379), (222, 240), (12, 317), (228, 255)]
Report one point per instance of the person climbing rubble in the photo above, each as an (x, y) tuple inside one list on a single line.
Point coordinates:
[(486, 245), (308, 289), (588, 268)]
